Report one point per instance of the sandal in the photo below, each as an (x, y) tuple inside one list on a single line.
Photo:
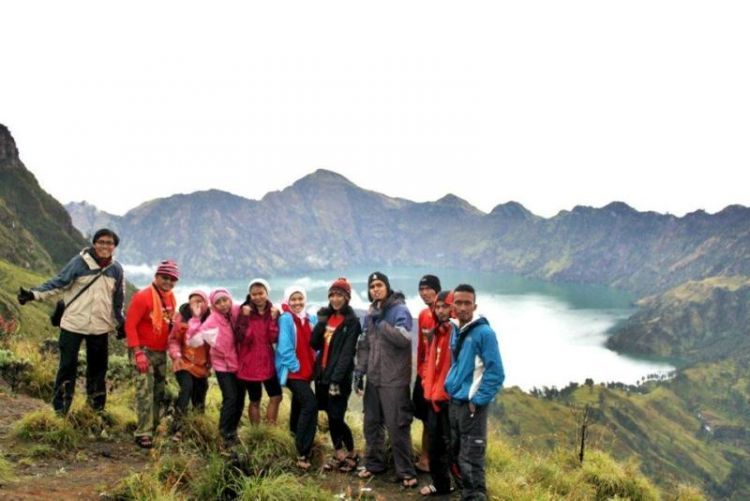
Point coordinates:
[(364, 473), (349, 464), (431, 490), (144, 442), (409, 483), (303, 463), (332, 464)]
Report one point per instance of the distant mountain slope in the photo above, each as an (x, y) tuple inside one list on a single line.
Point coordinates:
[(698, 320), (34, 227), (324, 221)]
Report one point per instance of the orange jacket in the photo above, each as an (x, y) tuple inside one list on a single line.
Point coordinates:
[(437, 363), (425, 324), (184, 357)]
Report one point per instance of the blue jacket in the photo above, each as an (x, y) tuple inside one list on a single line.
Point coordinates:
[(286, 351), (476, 373)]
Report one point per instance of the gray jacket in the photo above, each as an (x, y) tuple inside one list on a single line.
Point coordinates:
[(384, 348)]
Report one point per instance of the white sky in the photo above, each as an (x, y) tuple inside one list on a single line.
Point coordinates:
[(551, 104)]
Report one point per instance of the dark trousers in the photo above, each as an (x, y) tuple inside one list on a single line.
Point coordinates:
[(439, 431), (192, 389), (232, 404), (391, 409), (304, 416), (335, 409), (97, 358), (469, 445)]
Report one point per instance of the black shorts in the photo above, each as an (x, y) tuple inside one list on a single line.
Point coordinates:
[(273, 388), (420, 404)]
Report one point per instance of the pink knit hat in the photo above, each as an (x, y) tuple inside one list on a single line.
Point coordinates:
[(168, 268), (217, 294)]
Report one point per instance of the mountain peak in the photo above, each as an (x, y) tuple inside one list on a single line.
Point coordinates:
[(619, 208), (323, 176), (513, 210), (451, 200), (8, 149)]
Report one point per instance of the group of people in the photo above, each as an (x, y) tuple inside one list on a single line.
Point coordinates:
[(321, 358)]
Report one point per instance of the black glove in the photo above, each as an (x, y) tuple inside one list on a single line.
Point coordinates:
[(359, 381), (24, 296), (120, 331)]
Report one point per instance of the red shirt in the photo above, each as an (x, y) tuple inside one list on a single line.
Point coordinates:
[(333, 322), (426, 323)]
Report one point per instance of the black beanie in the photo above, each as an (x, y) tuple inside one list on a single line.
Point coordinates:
[(378, 276), (430, 281)]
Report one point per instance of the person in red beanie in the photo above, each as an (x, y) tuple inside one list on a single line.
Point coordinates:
[(147, 326), (437, 363), (335, 338)]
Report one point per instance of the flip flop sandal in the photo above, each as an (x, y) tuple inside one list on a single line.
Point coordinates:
[(409, 483), (303, 463), (349, 464), (332, 464), (144, 442), (364, 473)]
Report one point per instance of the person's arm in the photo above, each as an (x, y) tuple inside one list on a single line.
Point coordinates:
[(363, 348), (176, 336), (118, 297), (72, 270), (494, 375), (286, 351), (399, 332), (346, 356), (138, 308)]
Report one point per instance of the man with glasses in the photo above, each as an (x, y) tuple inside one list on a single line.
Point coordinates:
[(92, 287), (149, 321)]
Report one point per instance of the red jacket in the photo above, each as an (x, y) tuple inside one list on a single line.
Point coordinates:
[(139, 328), (438, 363), (255, 352), (426, 323)]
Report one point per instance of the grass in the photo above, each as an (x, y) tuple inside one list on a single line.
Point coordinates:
[(44, 427), (6, 472)]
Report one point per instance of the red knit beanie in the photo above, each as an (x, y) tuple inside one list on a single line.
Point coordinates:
[(168, 268), (342, 286)]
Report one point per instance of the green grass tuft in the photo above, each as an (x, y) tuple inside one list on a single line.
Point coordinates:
[(265, 449), (282, 487), (45, 427)]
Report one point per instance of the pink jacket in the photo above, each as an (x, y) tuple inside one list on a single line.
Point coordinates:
[(217, 332), (255, 345)]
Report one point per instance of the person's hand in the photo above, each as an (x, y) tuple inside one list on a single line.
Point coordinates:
[(274, 312), (246, 310), (435, 406), (120, 331), (141, 362), (472, 409), (24, 296), (359, 383), (334, 390)]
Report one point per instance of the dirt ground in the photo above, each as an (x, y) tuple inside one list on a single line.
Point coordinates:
[(84, 474)]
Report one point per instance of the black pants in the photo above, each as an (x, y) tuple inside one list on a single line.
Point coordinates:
[(335, 409), (97, 358), (232, 404), (304, 416), (192, 389), (439, 431), (469, 444), (388, 408)]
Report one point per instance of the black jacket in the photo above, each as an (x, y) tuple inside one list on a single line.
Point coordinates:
[(341, 349)]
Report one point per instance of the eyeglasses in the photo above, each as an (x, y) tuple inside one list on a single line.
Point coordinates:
[(104, 242)]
